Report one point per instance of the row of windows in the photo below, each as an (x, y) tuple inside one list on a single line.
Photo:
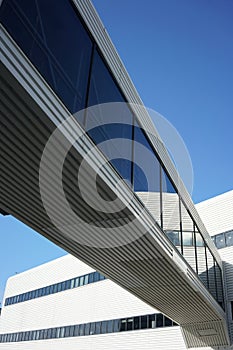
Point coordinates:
[(92, 328), (76, 71), (223, 240), (188, 238), (56, 288)]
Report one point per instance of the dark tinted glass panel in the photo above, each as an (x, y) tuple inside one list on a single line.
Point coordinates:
[(123, 323), (111, 129), (168, 322), (144, 322), (81, 329), (129, 324), (81, 281), (220, 241), (92, 328), (152, 323), (67, 331), (159, 320), (174, 237), (91, 278), (57, 45), (116, 326), (62, 332), (87, 329), (146, 165), (110, 326), (137, 323), (86, 278), (104, 325), (167, 186), (76, 330), (229, 238), (103, 88), (97, 327)]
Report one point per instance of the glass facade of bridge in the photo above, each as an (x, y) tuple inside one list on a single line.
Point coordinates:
[(68, 58)]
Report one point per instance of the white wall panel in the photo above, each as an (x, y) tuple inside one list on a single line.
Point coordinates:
[(98, 301), (159, 339), (54, 271), (217, 213)]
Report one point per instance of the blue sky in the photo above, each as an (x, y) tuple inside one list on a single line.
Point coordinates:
[(179, 55)]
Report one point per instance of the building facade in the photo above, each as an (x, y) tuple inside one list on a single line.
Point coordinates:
[(66, 304), (130, 217)]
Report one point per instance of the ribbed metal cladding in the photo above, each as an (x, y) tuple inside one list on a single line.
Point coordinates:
[(148, 267)]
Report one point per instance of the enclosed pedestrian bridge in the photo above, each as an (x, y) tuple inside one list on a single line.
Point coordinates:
[(82, 164)]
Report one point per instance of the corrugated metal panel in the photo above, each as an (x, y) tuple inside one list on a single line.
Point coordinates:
[(149, 339), (217, 213)]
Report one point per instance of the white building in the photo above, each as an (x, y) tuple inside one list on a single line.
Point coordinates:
[(98, 314), (129, 215)]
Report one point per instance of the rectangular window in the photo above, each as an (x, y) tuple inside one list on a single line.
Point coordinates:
[(81, 329), (72, 283), (87, 329), (232, 310), (49, 333), (92, 328), (67, 331), (144, 322), (45, 333), (152, 323), (91, 278), (86, 278), (81, 281), (137, 324), (110, 326), (68, 284), (229, 238), (104, 327), (159, 320), (76, 330), (62, 332), (96, 276), (63, 286), (97, 327), (54, 332), (187, 238), (123, 323), (220, 241), (71, 331), (129, 324), (77, 282)]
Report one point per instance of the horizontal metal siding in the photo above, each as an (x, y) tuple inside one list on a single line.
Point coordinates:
[(217, 213), (161, 339)]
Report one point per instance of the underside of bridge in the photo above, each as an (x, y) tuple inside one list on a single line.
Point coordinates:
[(126, 244)]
